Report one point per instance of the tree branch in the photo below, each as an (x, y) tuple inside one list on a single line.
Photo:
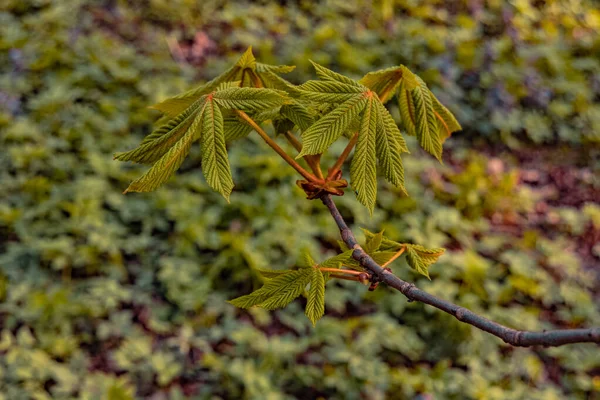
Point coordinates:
[(510, 336)]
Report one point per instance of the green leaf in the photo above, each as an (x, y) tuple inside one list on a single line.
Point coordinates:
[(299, 114), (420, 258), (250, 99), (317, 138), (328, 91), (275, 69), (272, 273), (338, 260), (215, 163), (418, 110), (383, 82), (426, 123), (234, 127), (389, 145), (174, 105), (382, 257), (373, 242), (282, 125), (247, 60), (166, 166), (277, 292), (315, 305), (159, 142), (410, 80), (273, 81), (306, 260), (363, 170), (407, 112), (386, 243), (446, 120), (267, 115), (327, 74)]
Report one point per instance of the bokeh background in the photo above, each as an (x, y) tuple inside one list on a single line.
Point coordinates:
[(105, 296)]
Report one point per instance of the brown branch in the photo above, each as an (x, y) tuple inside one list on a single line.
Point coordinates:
[(340, 161), (511, 336), (307, 175)]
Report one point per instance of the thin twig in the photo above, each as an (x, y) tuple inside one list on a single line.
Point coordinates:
[(511, 336), (307, 175), (340, 161)]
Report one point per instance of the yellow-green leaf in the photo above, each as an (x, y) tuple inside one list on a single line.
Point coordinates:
[(363, 170)]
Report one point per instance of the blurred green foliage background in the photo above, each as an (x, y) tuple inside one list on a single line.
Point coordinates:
[(105, 296)]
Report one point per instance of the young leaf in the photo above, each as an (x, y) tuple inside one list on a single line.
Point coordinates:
[(373, 242), (250, 99), (420, 258), (325, 131), (298, 114), (159, 142), (247, 60), (285, 294), (383, 82), (407, 112), (315, 305), (363, 170), (271, 80), (382, 257), (426, 123), (277, 292), (272, 273), (275, 69), (386, 244), (423, 115), (234, 127), (175, 105), (306, 260), (327, 74), (445, 118), (389, 145), (246, 70), (338, 260), (328, 91), (168, 163), (215, 164)]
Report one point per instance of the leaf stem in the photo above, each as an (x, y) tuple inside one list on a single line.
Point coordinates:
[(337, 270), (398, 254), (340, 161), (307, 175)]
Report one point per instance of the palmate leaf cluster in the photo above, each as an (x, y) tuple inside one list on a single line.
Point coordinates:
[(323, 110), (284, 286), (205, 114)]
